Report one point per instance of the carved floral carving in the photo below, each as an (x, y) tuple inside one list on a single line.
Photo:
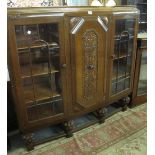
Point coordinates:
[(90, 45)]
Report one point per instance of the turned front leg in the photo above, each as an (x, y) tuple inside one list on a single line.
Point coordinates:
[(124, 103), (69, 125), (28, 139), (101, 114)]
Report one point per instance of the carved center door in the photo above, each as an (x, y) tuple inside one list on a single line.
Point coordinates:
[(88, 48)]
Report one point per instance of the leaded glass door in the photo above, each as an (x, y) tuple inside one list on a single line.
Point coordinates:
[(122, 57), (39, 51), (142, 83)]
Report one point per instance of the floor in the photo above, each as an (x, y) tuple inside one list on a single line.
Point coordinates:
[(17, 144)]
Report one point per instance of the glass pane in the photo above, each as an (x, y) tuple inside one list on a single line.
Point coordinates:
[(123, 48), (121, 68), (114, 89), (130, 46), (26, 35), (127, 25), (42, 87), (120, 86), (127, 83), (39, 59), (142, 84), (46, 109)]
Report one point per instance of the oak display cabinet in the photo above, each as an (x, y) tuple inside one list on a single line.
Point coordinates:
[(139, 95), (64, 63)]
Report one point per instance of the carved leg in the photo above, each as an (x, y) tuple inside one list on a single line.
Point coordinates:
[(68, 128), (124, 103), (101, 113), (28, 139)]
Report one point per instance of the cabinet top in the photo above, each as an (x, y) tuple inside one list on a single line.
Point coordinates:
[(68, 10)]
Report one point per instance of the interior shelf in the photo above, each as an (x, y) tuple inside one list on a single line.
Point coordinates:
[(37, 70), (121, 56), (41, 93), (142, 22), (118, 38), (121, 71), (22, 47), (120, 76)]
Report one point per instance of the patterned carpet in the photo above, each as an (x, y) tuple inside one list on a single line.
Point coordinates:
[(122, 134)]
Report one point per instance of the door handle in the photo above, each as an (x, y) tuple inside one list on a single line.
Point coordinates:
[(90, 67), (64, 66), (113, 56)]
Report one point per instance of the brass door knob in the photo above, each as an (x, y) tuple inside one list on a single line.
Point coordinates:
[(90, 67), (63, 65), (113, 56)]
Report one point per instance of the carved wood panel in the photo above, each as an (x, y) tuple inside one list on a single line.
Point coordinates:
[(90, 47), (87, 50)]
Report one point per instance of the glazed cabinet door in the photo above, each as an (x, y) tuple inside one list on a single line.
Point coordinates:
[(88, 50), (38, 57), (139, 94), (122, 56), (142, 83)]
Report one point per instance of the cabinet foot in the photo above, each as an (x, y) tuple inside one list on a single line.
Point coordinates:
[(28, 139), (101, 113), (68, 128), (124, 103)]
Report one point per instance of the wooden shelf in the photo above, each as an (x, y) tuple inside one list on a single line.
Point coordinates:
[(23, 43), (143, 22), (121, 75), (114, 75), (117, 38), (121, 56), (22, 48), (37, 70), (41, 93)]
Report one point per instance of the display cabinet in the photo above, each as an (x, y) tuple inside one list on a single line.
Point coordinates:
[(67, 62), (139, 94), (140, 84)]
